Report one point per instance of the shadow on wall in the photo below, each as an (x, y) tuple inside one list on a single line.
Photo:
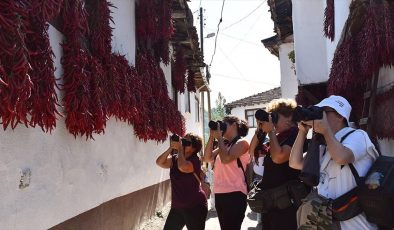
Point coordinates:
[(125, 212)]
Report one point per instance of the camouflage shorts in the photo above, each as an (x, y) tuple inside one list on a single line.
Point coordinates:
[(315, 213)]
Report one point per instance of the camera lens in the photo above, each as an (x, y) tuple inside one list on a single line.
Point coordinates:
[(261, 115), (174, 137), (214, 125), (186, 142)]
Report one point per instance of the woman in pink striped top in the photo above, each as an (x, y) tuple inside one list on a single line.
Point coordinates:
[(230, 185)]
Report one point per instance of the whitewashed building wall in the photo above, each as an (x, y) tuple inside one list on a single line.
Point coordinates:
[(68, 176)]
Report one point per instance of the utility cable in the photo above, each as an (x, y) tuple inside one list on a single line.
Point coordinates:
[(217, 33), (245, 17)]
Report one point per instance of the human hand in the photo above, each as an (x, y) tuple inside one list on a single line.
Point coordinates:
[(176, 145), (268, 127), (216, 133), (303, 128), (319, 126)]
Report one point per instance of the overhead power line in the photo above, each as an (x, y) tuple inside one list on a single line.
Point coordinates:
[(245, 17), (217, 33), (242, 79)]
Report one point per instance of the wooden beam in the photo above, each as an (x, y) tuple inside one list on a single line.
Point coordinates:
[(178, 14), (182, 3)]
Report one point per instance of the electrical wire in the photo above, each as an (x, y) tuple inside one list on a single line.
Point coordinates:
[(235, 67), (217, 32), (242, 79), (245, 17)]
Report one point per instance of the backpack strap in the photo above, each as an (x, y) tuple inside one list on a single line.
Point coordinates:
[(239, 163), (351, 166)]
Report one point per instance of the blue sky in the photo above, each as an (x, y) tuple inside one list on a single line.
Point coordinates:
[(242, 66)]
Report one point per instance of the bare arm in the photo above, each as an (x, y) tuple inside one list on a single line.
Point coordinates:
[(184, 165), (338, 152), (208, 151), (279, 154), (253, 145), (164, 160), (227, 156), (296, 160)]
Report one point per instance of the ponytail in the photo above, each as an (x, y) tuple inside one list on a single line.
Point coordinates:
[(242, 126)]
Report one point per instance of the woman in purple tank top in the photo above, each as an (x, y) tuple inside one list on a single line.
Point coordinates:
[(188, 201)]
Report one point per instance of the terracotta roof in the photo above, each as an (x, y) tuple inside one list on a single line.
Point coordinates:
[(260, 98)]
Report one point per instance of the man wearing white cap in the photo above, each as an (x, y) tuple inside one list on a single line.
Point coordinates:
[(336, 177)]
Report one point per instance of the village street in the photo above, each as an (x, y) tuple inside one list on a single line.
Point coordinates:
[(212, 223)]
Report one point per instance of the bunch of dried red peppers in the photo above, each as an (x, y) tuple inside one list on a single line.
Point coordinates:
[(97, 83)]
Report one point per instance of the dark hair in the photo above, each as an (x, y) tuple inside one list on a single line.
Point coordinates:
[(196, 142), (242, 126)]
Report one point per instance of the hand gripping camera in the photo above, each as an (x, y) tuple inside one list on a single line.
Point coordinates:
[(262, 115), (307, 113), (214, 125), (185, 142)]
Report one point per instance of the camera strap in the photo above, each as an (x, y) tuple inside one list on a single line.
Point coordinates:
[(230, 144)]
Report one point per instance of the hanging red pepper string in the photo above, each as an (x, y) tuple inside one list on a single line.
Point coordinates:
[(76, 63), (46, 10), (329, 20), (96, 88), (367, 45), (43, 100), (179, 70), (191, 85), (14, 58)]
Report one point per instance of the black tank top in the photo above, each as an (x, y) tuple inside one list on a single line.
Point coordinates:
[(278, 174)]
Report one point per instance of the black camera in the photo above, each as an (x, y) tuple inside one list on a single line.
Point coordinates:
[(185, 142), (307, 114), (214, 125), (262, 115)]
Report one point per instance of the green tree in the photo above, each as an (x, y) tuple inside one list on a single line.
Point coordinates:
[(219, 111)]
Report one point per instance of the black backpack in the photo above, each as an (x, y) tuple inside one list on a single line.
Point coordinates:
[(376, 194)]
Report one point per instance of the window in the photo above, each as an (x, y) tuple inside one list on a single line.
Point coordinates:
[(197, 104), (187, 102), (249, 117)]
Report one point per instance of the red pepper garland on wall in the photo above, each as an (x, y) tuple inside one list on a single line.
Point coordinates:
[(96, 83), (329, 20), (43, 99), (76, 63), (179, 70), (367, 45), (15, 84), (191, 86), (154, 29)]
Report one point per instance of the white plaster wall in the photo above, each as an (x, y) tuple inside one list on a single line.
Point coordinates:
[(309, 42), (192, 126), (240, 113), (70, 176), (288, 81), (386, 82), (341, 14)]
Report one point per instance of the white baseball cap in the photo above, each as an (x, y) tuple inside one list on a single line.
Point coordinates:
[(339, 104)]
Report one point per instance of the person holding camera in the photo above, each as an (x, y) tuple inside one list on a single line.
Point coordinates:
[(347, 152), (188, 201), (281, 131), (229, 161)]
